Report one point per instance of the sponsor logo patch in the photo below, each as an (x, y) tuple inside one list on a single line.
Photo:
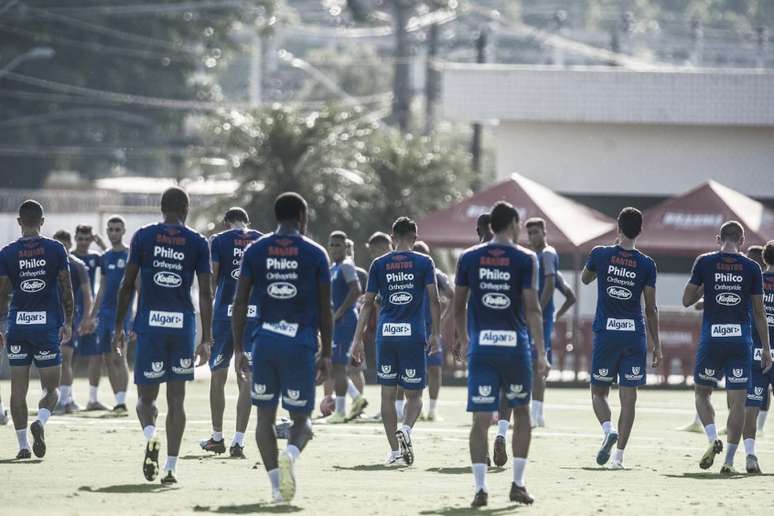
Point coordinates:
[(385, 372), (401, 298), (282, 328), (167, 279), (516, 392), (726, 330), (259, 392), (728, 299), (502, 338), (496, 301), (282, 290), (29, 318), (396, 330), (235, 274), (484, 395), (32, 285), (622, 293), (157, 370), (159, 319), (620, 324)]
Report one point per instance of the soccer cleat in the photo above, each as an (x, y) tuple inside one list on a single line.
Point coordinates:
[(432, 417), (603, 455), (287, 476), (488, 462), (4, 418), (694, 427), (237, 452), (120, 409), (59, 410), (169, 479), (93, 406), (708, 458), (336, 418), (752, 465), (406, 448), (39, 439), (393, 459), (283, 428), (150, 466), (24, 453), (211, 445), (480, 499), (500, 452), (728, 469), (617, 465), (72, 407), (276, 497), (520, 495), (358, 407), (539, 422)]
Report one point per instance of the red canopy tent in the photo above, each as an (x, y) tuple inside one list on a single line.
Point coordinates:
[(569, 225), (687, 224)]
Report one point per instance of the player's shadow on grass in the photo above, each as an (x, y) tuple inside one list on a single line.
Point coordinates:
[(20, 461), (369, 467), (717, 476), (193, 456), (124, 488), (459, 511), (247, 508), (460, 470), (599, 469)]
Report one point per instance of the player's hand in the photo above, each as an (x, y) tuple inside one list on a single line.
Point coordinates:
[(132, 337), (766, 359), (542, 366), (324, 369), (2, 340), (88, 325), (242, 365), (435, 344), (118, 343), (358, 350), (657, 357), (65, 333), (203, 352), (460, 347)]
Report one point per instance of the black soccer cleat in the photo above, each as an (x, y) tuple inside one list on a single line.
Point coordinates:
[(406, 448), (603, 455), (520, 495), (714, 448), (211, 445), (237, 452), (480, 500), (120, 409), (169, 479), (500, 453), (24, 453), (39, 439), (150, 466)]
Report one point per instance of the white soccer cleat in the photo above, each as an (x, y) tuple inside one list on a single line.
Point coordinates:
[(617, 465), (276, 497), (393, 459), (287, 476)]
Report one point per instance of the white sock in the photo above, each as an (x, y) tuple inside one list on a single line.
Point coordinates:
[(537, 409), (730, 452), (518, 470), (479, 477), (2, 407), (502, 427), (607, 427), (341, 404), (406, 430), (149, 432), (749, 446), (395, 453), (239, 438), (21, 436), (64, 394), (399, 409), (762, 415), (217, 436), (618, 456), (43, 415), (274, 478), (352, 390), (712, 432), (171, 463), (93, 391), (696, 419), (120, 397), (431, 406), (293, 451)]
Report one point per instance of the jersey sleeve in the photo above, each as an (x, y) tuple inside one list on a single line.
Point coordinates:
[(246, 267), (348, 271), (756, 286), (429, 272), (3, 267), (324, 269), (696, 272), (135, 251), (214, 250), (591, 261), (443, 282), (529, 273), (650, 281), (203, 265), (83, 273), (64, 263), (461, 277), (549, 263), (373, 279)]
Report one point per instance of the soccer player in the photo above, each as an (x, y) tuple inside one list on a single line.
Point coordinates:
[(548, 266), (112, 266), (760, 381), (290, 277), (82, 324), (495, 301), (755, 253), (357, 369), (569, 295), (402, 278), (435, 361), (165, 255), (732, 287), (624, 276), (345, 291), (227, 249), (87, 343), (40, 318)]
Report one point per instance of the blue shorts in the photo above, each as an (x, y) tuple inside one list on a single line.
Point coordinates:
[(402, 363), (548, 330), (73, 342), (759, 382), (94, 344), (624, 356), (42, 348), (343, 334), (223, 345), (716, 358), (489, 374), (163, 358), (436, 359), (282, 367)]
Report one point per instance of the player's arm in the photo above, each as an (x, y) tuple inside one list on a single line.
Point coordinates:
[(569, 296), (5, 299), (98, 240), (435, 316), (68, 303), (239, 310), (353, 294), (550, 284), (100, 295), (369, 303), (694, 288), (86, 325), (324, 365), (460, 304), (445, 297), (205, 312), (651, 320), (123, 302), (534, 316), (761, 325), (588, 276)]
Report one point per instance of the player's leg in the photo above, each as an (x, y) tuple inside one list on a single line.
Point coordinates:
[(94, 372), (631, 375), (763, 413), (755, 398), (605, 358), (66, 383), (356, 389), (387, 377), (400, 403), (539, 382), (412, 377), (150, 369), (266, 440), (20, 380), (434, 379), (118, 375), (216, 443), (500, 453), (737, 372), (340, 390), (518, 380), (244, 406), (483, 393), (479, 447), (175, 426)]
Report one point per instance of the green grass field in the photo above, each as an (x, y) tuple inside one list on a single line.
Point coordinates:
[(93, 466)]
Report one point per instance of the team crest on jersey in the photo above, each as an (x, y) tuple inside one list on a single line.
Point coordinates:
[(411, 373), (186, 366), (385, 372), (635, 370), (485, 390), (516, 391), (386, 368), (259, 392), (738, 372), (484, 395), (15, 349), (259, 388), (709, 372), (121, 263), (759, 391), (293, 394), (157, 366), (603, 372)]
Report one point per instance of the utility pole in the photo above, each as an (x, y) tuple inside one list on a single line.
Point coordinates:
[(475, 148), (431, 79), (762, 45), (697, 36), (401, 99), (256, 62)]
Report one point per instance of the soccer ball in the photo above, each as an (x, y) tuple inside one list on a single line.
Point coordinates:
[(327, 405)]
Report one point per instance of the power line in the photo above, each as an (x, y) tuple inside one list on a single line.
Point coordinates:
[(153, 8)]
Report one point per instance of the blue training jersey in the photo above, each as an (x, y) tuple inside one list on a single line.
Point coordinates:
[(768, 303), (286, 272), (496, 276), (401, 279), (622, 275), (112, 265), (729, 279), (548, 266), (342, 274), (168, 256), (76, 279), (92, 262), (227, 249), (32, 266)]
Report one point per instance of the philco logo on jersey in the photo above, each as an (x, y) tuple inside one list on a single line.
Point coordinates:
[(496, 301), (282, 290), (620, 324), (401, 298), (32, 285), (728, 299), (281, 264), (728, 277), (502, 338), (396, 330), (29, 318), (161, 319), (726, 330), (167, 279), (394, 277), (493, 274), (32, 263), (621, 293), (168, 253), (621, 271)]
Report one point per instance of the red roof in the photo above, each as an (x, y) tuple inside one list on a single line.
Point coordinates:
[(569, 225), (687, 224)]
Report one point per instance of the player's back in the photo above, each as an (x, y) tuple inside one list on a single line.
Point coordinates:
[(729, 280), (401, 278), (622, 275), (496, 275), (113, 265), (32, 266), (227, 249), (169, 255), (286, 271), (92, 262)]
